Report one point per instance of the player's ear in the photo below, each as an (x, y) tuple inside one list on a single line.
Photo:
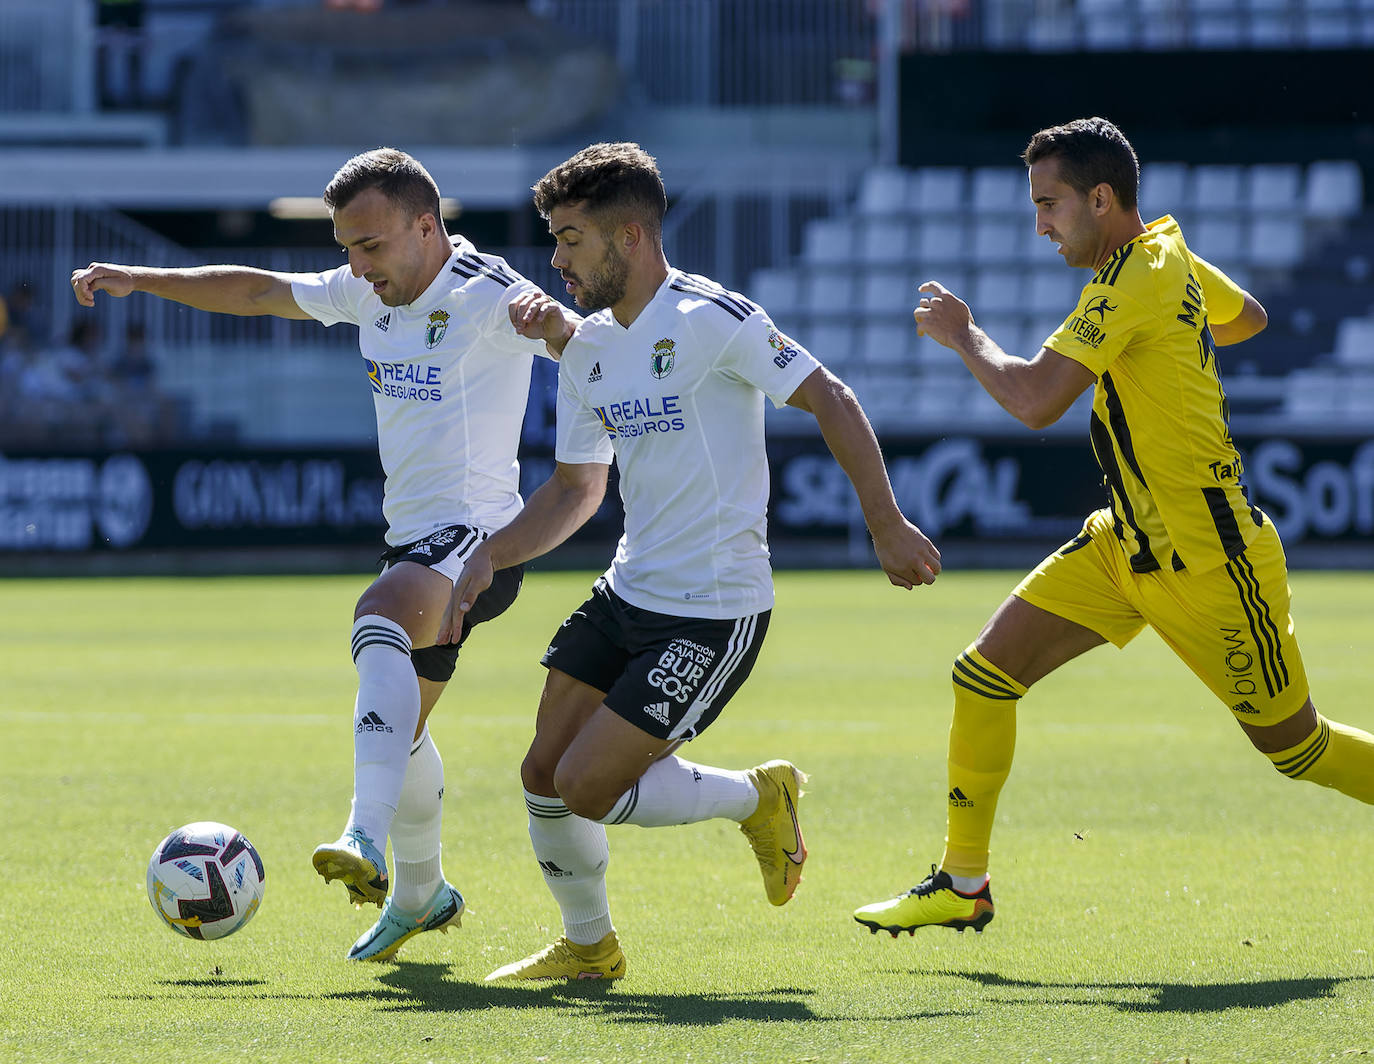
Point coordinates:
[(631, 236), (1102, 197)]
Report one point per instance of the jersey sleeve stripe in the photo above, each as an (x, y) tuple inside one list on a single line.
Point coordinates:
[(718, 298), (471, 266)]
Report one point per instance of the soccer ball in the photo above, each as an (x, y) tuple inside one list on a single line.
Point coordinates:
[(205, 880)]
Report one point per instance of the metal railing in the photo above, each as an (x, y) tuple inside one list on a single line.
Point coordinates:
[(727, 53)]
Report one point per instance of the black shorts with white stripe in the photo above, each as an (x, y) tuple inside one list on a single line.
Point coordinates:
[(437, 663), (669, 676)]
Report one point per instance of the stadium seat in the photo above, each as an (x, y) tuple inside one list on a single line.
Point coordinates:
[(1162, 189), (999, 190), (884, 240), (886, 344), (1054, 288), (828, 240), (829, 291), (1216, 188), (997, 239), (1311, 394), (887, 293), (833, 342), (1276, 241), (779, 292), (935, 189), (1215, 30), (938, 242), (1273, 187), (1355, 342), (1266, 29), (1335, 190), (1219, 240), (884, 191), (998, 291)]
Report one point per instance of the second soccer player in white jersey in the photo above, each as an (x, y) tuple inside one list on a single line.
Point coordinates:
[(447, 335), (668, 377)]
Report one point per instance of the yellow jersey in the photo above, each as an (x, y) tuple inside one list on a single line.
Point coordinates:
[(1160, 420)]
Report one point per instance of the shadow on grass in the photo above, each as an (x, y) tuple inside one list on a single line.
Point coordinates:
[(1166, 997), (425, 988)]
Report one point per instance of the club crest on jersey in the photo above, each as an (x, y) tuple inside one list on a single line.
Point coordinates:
[(661, 361), (438, 325)]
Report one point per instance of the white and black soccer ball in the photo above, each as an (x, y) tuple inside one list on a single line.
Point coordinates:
[(205, 880)]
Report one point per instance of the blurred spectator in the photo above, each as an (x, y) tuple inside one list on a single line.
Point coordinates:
[(119, 53)]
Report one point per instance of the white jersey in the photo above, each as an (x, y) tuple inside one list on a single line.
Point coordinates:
[(677, 399), (450, 377)]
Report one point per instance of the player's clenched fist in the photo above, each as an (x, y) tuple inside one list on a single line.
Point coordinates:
[(942, 315), (101, 277)]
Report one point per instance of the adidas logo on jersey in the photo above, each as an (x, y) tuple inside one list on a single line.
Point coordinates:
[(384, 322), (373, 723), (956, 797), (595, 374), (659, 711)]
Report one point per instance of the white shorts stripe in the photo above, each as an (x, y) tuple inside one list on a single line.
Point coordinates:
[(741, 639)]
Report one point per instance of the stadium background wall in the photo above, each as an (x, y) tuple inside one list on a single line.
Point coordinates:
[(1244, 106), (986, 500)]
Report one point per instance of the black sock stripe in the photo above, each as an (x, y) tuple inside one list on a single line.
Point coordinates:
[(376, 635), (552, 811), (983, 692), (993, 679), (1301, 761), (631, 800)]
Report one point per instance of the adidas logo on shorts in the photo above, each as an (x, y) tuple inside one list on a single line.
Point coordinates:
[(659, 711)]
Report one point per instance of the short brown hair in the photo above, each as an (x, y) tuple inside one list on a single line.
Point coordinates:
[(397, 176), (616, 182), (1090, 151)]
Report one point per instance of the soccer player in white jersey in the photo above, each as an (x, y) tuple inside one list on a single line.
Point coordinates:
[(668, 377), (446, 334)]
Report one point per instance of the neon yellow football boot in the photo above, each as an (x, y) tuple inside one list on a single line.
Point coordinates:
[(568, 960), (773, 831), (931, 903)]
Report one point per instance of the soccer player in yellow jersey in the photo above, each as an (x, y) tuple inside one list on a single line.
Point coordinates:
[(1180, 548)]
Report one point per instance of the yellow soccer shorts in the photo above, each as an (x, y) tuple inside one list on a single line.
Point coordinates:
[(1231, 625)]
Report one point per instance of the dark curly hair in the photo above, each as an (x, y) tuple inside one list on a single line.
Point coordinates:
[(616, 183), (1090, 151)]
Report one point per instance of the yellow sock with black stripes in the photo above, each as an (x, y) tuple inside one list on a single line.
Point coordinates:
[(982, 739), (1335, 755)]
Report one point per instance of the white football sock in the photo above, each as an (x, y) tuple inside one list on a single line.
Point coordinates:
[(384, 720), (674, 791), (967, 884), (573, 854), (416, 843)]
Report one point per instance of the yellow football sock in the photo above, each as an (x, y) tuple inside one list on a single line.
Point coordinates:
[(1335, 755), (982, 739)]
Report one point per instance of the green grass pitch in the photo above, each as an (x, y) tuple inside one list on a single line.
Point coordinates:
[(1162, 893)]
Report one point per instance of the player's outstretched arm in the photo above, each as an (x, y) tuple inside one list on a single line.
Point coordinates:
[(1251, 319), (240, 290), (558, 508), (1037, 392), (905, 554)]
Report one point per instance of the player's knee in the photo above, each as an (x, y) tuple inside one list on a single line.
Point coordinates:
[(583, 793), (535, 775)]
